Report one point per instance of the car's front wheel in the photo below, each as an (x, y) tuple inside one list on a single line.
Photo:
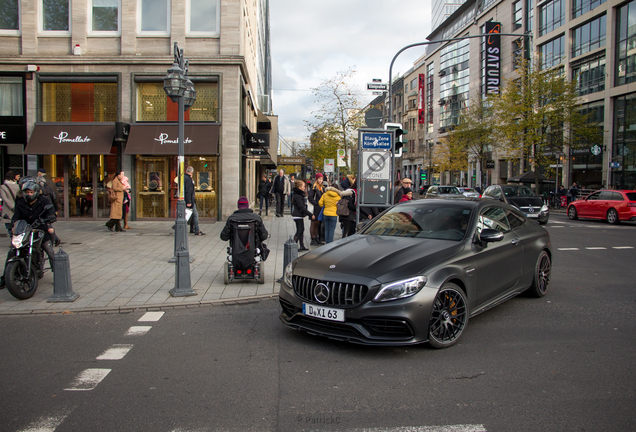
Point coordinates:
[(449, 316), (572, 213), (541, 279), (612, 217)]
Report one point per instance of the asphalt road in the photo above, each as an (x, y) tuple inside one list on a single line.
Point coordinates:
[(561, 363)]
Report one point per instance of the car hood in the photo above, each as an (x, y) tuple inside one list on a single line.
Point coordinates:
[(383, 258), (525, 201)]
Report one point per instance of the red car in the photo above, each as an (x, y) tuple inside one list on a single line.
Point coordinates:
[(611, 205)]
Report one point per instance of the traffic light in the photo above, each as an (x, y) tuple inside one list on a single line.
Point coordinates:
[(423, 174), (399, 136)]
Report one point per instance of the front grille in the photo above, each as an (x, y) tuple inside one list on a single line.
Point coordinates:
[(340, 294)]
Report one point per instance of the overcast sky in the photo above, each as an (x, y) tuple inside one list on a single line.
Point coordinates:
[(314, 39)]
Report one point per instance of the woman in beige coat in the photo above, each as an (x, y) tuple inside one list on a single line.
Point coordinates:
[(116, 206), (9, 192)]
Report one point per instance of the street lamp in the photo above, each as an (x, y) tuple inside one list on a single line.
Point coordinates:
[(180, 89)]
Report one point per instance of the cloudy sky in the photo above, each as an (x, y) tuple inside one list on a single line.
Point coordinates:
[(313, 40)]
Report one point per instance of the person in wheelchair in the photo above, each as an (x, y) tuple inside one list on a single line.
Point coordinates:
[(246, 233)]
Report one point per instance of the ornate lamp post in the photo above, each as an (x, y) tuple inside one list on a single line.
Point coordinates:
[(180, 89)]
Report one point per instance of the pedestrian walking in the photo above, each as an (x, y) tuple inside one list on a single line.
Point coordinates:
[(9, 192), (349, 221), (399, 191), (280, 188), (264, 187), (292, 182), (116, 207), (126, 208), (573, 192), (299, 211), (328, 201), (190, 200), (314, 196), (408, 195)]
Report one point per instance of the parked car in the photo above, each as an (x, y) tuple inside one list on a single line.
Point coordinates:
[(613, 206), (521, 197), (469, 192), (417, 273), (443, 192), (423, 189)]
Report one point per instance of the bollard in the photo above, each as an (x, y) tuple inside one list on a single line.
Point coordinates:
[(62, 287), (290, 254)]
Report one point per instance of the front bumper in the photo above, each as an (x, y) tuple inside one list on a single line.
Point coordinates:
[(398, 322)]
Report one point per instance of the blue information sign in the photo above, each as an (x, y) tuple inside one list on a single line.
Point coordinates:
[(376, 141)]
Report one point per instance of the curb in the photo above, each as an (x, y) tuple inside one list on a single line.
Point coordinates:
[(147, 308)]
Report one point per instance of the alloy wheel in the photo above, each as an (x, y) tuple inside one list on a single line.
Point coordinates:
[(449, 316)]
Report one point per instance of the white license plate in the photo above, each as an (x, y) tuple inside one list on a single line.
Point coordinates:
[(532, 215), (322, 312)]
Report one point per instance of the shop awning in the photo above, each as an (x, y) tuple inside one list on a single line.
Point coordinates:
[(162, 139), (71, 138)]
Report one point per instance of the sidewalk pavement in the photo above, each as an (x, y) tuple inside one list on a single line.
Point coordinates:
[(114, 272)]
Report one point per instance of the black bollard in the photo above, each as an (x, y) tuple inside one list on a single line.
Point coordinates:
[(62, 287), (290, 254)]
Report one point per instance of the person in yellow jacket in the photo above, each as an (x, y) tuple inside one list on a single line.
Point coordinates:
[(329, 216)]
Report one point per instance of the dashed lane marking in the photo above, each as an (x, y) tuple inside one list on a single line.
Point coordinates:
[(88, 379), (138, 330), (568, 249), (596, 248), (151, 316), (47, 423), (448, 428), (622, 247), (116, 352)]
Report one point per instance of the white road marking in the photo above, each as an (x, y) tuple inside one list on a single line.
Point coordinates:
[(559, 226), (568, 249), (47, 423), (138, 330), (88, 379), (558, 222), (116, 352), (448, 428), (596, 248), (623, 247), (151, 316)]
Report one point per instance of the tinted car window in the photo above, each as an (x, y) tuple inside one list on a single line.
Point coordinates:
[(616, 196), (449, 190), (432, 222), (594, 196), (515, 220), (494, 218), (631, 196), (520, 191), (606, 195)]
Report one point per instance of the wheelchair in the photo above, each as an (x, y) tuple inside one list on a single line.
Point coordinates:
[(244, 254)]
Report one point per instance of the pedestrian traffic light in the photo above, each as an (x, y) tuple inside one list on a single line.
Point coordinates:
[(399, 136)]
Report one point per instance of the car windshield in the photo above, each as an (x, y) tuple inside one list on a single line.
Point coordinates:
[(518, 191), (430, 222), (449, 190)]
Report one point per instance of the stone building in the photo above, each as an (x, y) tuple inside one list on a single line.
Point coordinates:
[(81, 86)]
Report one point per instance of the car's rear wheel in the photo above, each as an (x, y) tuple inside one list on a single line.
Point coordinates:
[(572, 213), (612, 217), (449, 316), (541, 279)]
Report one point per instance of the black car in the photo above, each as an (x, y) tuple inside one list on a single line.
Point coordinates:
[(416, 273), (521, 197)]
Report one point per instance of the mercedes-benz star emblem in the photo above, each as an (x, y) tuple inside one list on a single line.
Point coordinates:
[(530, 210), (321, 293)]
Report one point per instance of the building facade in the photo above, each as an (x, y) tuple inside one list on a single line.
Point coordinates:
[(85, 79), (591, 41)]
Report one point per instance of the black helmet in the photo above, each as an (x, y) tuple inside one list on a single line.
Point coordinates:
[(31, 184)]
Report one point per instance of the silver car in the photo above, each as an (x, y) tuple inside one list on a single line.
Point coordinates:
[(443, 192), (469, 193)]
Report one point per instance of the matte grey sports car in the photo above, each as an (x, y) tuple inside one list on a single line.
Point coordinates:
[(416, 273)]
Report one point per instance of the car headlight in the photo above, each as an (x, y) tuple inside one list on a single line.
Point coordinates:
[(287, 277), (400, 289), (16, 240), (544, 209)]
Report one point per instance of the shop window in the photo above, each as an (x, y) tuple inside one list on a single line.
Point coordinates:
[(55, 15), (154, 16), (79, 102), (11, 96), (10, 16), (154, 105)]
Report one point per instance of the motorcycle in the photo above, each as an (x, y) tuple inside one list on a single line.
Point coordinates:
[(26, 266)]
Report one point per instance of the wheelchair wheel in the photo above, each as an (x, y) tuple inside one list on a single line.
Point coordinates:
[(226, 273), (261, 272)]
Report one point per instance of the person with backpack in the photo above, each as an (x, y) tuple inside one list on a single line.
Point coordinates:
[(9, 192)]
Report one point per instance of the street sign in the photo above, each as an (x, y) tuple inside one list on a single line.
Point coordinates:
[(615, 164), (328, 165), (341, 158), (376, 140), (376, 165), (375, 192), (377, 86), (298, 160)]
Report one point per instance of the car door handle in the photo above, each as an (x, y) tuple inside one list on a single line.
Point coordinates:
[(515, 241)]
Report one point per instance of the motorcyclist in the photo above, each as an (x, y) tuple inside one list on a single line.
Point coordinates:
[(30, 207)]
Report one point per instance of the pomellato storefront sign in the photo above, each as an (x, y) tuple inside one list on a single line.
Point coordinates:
[(493, 57), (71, 138), (63, 138), (163, 139)]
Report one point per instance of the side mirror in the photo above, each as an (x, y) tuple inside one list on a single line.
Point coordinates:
[(490, 235)]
